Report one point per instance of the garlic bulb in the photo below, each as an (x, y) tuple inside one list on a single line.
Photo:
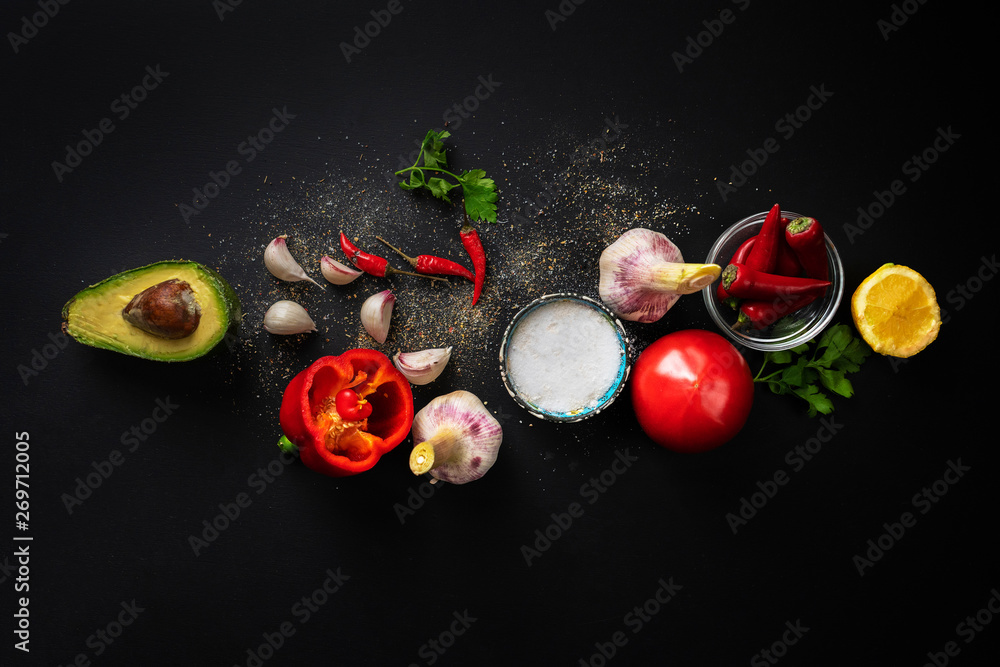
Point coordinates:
[(376, 313), (642, 275), (336, 272), (286, 318), (457, 438), (424, 366), (282, 265)]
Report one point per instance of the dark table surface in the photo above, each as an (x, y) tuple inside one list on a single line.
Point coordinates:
[(592, 117)]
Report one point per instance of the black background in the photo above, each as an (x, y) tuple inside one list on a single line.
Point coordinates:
[(569, 185)]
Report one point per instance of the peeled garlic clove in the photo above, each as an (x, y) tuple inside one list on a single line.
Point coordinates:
[(376, 313), (282, 265), (457, 438), (642, 275), (424, 366), (286, 318), (336, 272)]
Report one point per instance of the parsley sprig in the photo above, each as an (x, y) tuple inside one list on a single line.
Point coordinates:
[(478, 192), (837, 353)]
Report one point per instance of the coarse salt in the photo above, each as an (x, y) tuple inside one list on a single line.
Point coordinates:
[(564, 356)]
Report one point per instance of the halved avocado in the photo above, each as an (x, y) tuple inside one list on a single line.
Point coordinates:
[(94, 316)]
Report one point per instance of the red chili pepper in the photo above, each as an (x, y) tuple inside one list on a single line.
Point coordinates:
[(762, 314), (806, 239), (473, 246), (740, 256), (372, 264), (330, 428), (430, 264), (787, 265), (745, 283), (764, 254)]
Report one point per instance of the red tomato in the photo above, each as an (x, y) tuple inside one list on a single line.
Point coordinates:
[(691, 391)]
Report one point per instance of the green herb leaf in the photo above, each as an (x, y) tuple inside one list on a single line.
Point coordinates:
[(801, 373), (478, 191), (440, 187), (480, 195)]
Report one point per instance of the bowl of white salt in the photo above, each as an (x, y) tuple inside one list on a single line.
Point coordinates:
[(564, 357)]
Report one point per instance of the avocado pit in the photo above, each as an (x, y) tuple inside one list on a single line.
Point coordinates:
[(166, 310)]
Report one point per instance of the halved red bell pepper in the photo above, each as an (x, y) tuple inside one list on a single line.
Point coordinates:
[(339, 445)]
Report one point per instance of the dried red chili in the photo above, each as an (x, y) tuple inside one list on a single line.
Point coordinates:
[(338, 434), (433, 265), (372, 264), (474, 246)]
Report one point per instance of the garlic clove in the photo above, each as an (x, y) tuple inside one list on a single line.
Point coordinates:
[(286, 318), (457, 439), (376, 314), (336, 272), (424, 366), (643, 274), (282, 265)]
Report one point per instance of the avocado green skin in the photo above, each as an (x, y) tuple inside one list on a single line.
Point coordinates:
[(231, 302)]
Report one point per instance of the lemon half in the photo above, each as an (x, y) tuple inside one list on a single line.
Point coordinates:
[(896, 311)]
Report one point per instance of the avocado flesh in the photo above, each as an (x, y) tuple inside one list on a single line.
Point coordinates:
[(94, 316)]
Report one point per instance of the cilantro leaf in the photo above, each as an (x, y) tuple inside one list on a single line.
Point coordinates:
[(440, 187), (801, 373), (478, 191), (480, 195), (432, 149)]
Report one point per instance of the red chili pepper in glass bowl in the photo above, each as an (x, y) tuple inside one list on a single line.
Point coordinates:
[(760, 314), (343, 413), (743, 282), (764, 254), (806, 238)]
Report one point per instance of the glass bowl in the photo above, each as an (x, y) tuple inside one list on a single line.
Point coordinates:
[(792, 329), (568, 367)]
